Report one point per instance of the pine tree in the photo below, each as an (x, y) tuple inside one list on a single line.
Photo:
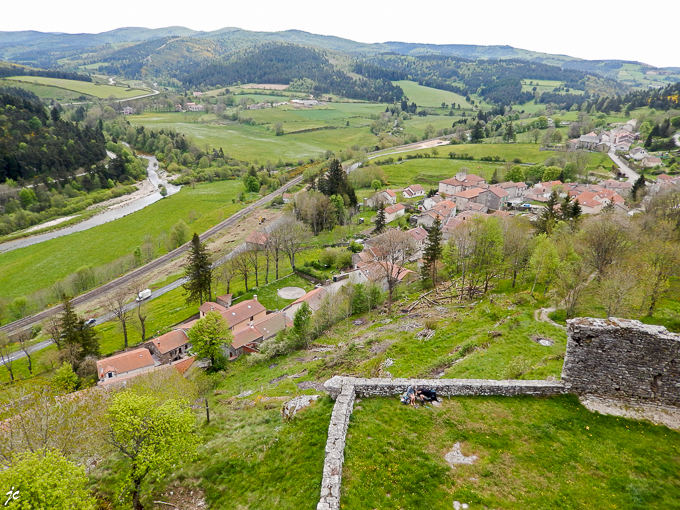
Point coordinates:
[(433, 251), (79, 339), (199, 273), (380, 222), (477, 133), (637, 186), (548, 217), (509, 135), (575, 210), (495, 179), (565, 209)]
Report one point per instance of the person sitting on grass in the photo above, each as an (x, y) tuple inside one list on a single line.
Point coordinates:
[(409, 397), (426, 395)]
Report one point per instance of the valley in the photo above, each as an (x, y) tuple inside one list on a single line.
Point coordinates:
[(297, 228)]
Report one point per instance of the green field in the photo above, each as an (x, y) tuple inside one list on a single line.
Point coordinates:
[(427, 96), (533, 454), (82, 87), (546, 86), (250, 143), (26, 270), (44, 91)]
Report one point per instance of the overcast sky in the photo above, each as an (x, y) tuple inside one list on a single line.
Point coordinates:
[(591, 29)]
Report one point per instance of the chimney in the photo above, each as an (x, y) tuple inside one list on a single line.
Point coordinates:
[(255, 297)]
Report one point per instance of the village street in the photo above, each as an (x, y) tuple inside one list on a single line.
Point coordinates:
[(623, 168)]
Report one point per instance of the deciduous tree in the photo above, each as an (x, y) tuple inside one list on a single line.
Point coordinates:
[(208, 336), (152, 436), (46, 479), (396, 248)]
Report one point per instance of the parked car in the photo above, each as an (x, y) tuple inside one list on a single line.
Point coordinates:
[(90, 322)]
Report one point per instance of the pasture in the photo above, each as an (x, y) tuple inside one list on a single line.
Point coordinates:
[(427, 96), (259, 142), (82, 87), (46, 91), (36, 267)]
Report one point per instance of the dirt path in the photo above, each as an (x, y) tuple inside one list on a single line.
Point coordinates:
[(541, 315)]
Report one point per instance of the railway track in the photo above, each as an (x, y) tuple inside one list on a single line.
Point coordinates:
[(27, 322)]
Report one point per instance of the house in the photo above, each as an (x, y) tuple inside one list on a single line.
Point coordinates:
[(387, 197), (427, 219), (313, 298), (651, 161), (198, 94), (478, 195), (134, 362), (257, 240), (193, 107), (128, 110), (376, 272), (429, 202), (288, 198), (224, 300), (475, 207), (210, 306), (452, 224), (589, 141), (239, 315), (618, 186), (394, 211), (514, 189), (638, 154), (497, 197), (419, 235), (248, 339), (462, 181), (414, 191), (169, 347)]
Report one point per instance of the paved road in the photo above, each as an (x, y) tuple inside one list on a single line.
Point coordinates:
[(623, 168), (124, 280), (677, 139)]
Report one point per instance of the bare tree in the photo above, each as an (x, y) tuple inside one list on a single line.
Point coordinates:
[(241, 264), (570, 284), (516, 244), (275, 244), (53, 329), (617, 292), (254, 261), (604, 238), (395, 248), (141, 310), (227, 273), (24, 339), (6, 355), (295, 235), (117, 306)]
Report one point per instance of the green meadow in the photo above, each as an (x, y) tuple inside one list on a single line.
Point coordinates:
[(82, 87), (533, 454), (45, 91), (427, 96), (36, 267)]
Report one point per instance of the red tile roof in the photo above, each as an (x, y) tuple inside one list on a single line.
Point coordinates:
[(210, 306), (394, 208), (125, 362), (242, 311), (172, 340)]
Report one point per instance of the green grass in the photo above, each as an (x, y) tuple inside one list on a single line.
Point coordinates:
[(534, 453), (429, 171), (546, 86), (427, 96), (44, 91), (26, 270), (251, 143), (82, 87)]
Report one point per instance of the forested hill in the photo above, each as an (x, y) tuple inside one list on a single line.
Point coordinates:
[(498, 81), (7, 69), (659, 99), (287, 63), (35, 141)]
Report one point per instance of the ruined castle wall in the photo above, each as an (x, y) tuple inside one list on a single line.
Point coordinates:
[(445, 387), (623, 359)]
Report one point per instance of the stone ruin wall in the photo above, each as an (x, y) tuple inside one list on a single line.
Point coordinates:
[(612, 358), (624, 360)]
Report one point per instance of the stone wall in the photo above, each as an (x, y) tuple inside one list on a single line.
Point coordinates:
[(335, 449), (445, 387), (623, 359)]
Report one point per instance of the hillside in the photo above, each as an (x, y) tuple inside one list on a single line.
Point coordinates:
[(42, 48)]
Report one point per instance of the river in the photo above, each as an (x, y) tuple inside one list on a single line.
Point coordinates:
[(104, 217)]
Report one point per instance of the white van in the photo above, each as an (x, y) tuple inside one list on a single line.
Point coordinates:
[(146, 293)]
